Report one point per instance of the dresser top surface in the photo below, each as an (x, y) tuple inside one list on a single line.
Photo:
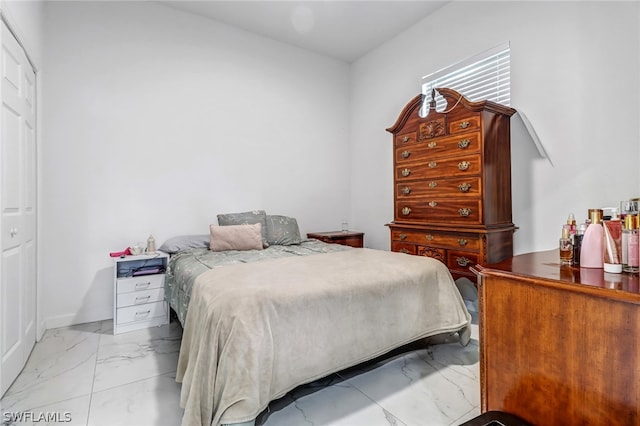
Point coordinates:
[(335, 234), (546, 265)]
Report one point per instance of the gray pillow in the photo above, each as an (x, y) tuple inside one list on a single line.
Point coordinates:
[(246, 218), (282, 230), (184, 242)]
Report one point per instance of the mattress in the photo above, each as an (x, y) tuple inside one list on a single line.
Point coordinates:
[(185, 266)]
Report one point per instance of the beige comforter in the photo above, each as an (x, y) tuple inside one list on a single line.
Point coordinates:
[(255, 331)]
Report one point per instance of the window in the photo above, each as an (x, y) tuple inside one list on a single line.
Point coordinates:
[(485, 76)]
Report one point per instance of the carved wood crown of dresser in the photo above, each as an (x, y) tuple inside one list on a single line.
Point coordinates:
[(452, 182)]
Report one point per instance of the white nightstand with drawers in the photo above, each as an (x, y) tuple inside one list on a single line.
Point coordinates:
[(138, 292)]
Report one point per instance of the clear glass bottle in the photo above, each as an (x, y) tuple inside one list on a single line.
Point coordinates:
[(151, 245), (566, 248)]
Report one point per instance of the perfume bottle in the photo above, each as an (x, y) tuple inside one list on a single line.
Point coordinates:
[(627, 228), (566, 248), (592, 251), (151, 245), (632, 239), (577, 243), (571, 221)]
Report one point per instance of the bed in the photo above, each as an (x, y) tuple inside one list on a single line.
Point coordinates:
[(258, 323)]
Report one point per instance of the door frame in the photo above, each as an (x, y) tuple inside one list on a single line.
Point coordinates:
[(13, 27)]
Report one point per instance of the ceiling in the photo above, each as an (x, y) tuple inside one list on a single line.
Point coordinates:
[(342, 29)]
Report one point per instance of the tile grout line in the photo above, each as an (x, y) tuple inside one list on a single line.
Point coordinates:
[(384, 410), (95, 367), (49, 403)]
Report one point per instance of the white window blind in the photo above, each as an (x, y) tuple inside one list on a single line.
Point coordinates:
[(485, 76)]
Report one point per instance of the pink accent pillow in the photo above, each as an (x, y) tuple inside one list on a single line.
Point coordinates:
[(235, 237)]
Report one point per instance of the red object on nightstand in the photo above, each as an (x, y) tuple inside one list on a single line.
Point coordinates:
[(125, 252)]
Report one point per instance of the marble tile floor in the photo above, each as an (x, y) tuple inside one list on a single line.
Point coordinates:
[(84, 375)]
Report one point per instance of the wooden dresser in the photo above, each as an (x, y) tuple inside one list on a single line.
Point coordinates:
[(452, 182), (559, 344)]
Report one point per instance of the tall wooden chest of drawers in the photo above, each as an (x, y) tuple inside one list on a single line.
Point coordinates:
[(452, 182)]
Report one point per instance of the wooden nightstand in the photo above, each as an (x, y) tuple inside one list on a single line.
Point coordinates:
[(346, 238)]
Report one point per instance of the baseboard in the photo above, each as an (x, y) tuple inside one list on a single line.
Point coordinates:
[(40, 329), (78, 318)]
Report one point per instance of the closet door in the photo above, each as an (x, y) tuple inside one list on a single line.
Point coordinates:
[(17, 210)]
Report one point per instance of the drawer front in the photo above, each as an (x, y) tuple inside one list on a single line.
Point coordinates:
[(140, 297), (403, 247), (437, 168), (347, 240), (143, 282), (324, 239), (405, 139), (461, 260), (351, 241), (458, 187), (464, 124), (459, 144), (433, 252), (437, 239), (141, 312), (431, 129), (439, 210)]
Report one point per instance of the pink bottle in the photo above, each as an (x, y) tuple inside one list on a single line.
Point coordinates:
[(592, 253)]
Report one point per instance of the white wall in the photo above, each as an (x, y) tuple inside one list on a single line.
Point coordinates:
[(156, 120), (574, 72)]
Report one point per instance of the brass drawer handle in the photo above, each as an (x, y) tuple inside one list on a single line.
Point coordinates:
[(432, 164), (429, 237), (464, 143), (403, 250), (464, 165), (462, 242), (463, 261), (405, 139), (405, 154), (464, 124), (406, 172), (464, 187), (433, 184), (432, 203), (406, 211), (432, 145), (464, 211), (406, 190), (403, 236)]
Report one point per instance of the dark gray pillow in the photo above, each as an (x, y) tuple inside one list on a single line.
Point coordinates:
[(184, 242), (282, 230), (246, 218)]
